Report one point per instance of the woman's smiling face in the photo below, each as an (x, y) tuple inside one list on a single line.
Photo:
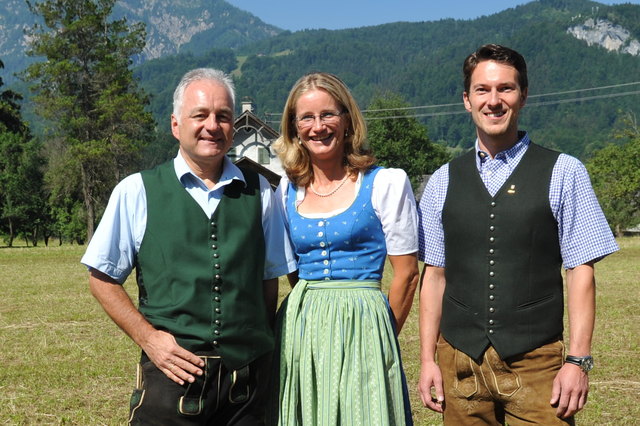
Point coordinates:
[(324, 135)]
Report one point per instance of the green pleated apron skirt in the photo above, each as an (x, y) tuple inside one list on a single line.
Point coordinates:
[(338, 358)]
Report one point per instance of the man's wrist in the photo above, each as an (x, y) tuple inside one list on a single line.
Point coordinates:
[(584, 362)]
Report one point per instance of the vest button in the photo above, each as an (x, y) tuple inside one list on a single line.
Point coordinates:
[(216, 255), (217, 299), (492, 310), (491, 274), (491, 239), (491, 286), (215, 247), (491, 251), (216, 288), (490, 322), (492, 216), (216, 332), (491, 297), (215, 343), (492, 262), (214, 237), (214, 224), (491, 331), (217, 266), (217, 310), (217, 277), (492, 228), (493, 204), (217, 322)]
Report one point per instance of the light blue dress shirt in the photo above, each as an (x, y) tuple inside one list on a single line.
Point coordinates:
[(582, 227), (116, 241)]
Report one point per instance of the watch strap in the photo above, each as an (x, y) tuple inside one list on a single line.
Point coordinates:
[(584, 362)]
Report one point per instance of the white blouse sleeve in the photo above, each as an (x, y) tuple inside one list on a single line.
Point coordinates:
[(281, 196), (279, 257), (395, 205)]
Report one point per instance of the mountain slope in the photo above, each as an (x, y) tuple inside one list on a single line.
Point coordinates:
[(422, 62), (584, 68), (173, 26)]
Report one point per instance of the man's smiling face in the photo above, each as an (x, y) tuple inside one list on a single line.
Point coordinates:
[(494, 101)]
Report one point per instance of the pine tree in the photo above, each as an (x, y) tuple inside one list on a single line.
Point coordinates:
[(84, 89)]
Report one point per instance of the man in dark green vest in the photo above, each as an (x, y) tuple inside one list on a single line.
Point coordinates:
[(207, 242), (496, 226)]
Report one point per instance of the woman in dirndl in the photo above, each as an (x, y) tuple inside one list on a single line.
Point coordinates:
[(337, 358)]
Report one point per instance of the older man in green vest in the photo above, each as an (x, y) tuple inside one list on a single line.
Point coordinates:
[(496, 226), (207, 242)]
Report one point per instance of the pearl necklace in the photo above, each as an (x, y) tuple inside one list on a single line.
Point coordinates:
[(332, 191)]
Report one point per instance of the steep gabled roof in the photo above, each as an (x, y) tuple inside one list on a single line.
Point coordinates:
[(249, 119)]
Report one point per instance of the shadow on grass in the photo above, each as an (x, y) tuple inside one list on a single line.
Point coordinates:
[(52, 243)]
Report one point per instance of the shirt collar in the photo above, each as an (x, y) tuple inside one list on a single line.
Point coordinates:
[(514, 153), (230, 172)]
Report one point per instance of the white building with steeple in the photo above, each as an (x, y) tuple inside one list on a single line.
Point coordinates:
[(253, 144)]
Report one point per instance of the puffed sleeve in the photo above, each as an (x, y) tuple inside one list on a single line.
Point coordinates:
[(279, 258), (395, 205)]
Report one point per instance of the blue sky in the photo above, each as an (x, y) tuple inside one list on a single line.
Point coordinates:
[(296, 15)]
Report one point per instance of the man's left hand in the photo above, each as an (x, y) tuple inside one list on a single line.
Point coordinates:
[(570, 389)]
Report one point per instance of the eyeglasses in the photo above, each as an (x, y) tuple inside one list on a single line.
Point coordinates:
[(309, 120)]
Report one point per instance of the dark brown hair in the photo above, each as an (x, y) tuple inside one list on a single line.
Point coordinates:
[(500, 54)]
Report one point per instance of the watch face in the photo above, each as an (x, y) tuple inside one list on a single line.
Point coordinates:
[(587, 364)]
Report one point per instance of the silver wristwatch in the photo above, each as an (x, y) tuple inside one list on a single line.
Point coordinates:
[(584, 362)]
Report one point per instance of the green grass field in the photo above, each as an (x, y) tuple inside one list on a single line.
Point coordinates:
[(62, 361)]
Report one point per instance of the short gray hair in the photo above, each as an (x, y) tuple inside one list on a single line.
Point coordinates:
[(202, 74)]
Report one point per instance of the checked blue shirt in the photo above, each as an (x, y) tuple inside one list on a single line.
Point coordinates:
[(583, 230)]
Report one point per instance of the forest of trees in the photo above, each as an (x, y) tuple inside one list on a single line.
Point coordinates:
[(615, 174), (99, 118), (22, 198), (586, 89), (96, 122)]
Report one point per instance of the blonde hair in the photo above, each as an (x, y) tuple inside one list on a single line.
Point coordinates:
[(295, 157)]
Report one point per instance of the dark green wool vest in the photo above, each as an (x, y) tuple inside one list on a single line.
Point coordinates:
[(200, 278), (504, 285)]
